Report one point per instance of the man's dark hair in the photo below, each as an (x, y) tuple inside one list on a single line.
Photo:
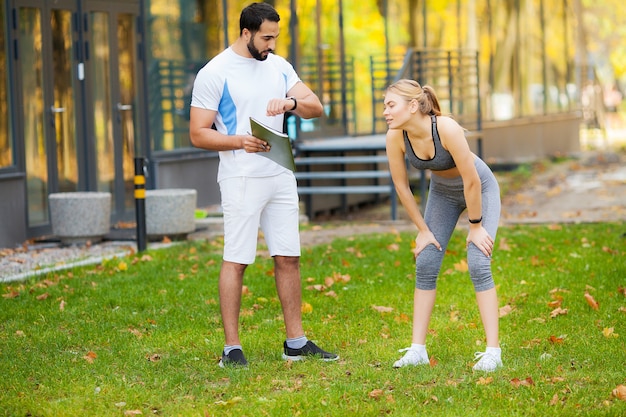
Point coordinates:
[(253, 16)]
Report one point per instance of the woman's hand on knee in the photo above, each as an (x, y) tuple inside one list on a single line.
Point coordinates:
[(424, 239), (481, 239)]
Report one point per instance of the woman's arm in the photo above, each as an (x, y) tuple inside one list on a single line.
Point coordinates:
[(453, 139), (400, 177)]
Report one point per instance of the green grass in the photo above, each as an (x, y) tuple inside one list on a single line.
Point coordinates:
[(143, 334)]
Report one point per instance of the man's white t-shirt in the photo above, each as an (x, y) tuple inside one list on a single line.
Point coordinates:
[(239, 88)]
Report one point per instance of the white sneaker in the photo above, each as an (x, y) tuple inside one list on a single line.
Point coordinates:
[(487, 361), (412, 357)]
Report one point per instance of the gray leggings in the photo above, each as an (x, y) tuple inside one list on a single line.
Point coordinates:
[(445, 204)]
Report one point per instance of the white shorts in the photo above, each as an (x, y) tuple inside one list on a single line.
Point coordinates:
[(268, 202)]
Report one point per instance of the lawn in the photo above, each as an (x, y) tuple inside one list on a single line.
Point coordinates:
[(142, 335)]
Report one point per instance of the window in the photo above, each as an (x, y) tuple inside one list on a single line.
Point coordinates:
[(7, 158)]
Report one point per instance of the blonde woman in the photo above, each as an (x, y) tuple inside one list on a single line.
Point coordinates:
[(459, 181)]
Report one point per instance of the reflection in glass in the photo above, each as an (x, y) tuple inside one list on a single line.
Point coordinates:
[(63, 108), (33, 115), (102, 122), (127, 108), (6, 142)]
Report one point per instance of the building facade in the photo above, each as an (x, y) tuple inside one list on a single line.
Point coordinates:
[(87, 86)]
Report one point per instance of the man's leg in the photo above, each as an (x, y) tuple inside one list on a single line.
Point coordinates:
[(230, 287), (297, 347), (289, 288)]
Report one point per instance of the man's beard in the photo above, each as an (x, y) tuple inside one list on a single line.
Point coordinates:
[(256, 54)]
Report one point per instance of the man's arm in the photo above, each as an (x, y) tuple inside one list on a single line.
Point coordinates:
[(203, 136), (308, 104)]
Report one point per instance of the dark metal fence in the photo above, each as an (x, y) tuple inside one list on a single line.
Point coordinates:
[(452, 73), (333, 82)]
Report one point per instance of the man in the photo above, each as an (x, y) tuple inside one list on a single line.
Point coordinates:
[(248, 80)]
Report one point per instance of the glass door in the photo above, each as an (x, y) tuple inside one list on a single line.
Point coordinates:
[(76, 76), (112, 95), (48, 86)]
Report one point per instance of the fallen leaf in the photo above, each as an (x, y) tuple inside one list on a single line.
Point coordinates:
[(376, 394), (461, 266), (62, 305), (43, 296), (505, 310), (504, 244), (90, 356), (155, 357), (133, 413), (555, 399), (394, 247), (136, 332), (516, 382), (382, 309), (609, 332), (619, 392), (558, 312), (621, 290), (484, 381), (306, 308), (331, 294), (591, 301), (556, 340), (12, 294)]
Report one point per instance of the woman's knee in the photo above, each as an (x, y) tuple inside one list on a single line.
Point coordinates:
[(479, 267), (427, 266)]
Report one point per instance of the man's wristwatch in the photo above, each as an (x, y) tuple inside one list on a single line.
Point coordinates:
[(295, 102)]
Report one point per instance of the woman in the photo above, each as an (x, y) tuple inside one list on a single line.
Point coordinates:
[(459, 180)]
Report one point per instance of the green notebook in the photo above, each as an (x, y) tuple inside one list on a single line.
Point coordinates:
[(280, 144)]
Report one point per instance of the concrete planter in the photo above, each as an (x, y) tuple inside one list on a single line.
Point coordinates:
[(170, 212), (80, 217)]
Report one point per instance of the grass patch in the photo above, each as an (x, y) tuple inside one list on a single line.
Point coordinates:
[(143, 334)]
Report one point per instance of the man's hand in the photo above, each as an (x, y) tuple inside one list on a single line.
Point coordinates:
[(278, 106), (252, 144)]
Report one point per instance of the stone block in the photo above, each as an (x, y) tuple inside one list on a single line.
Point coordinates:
[(170, 212), (80, 217)]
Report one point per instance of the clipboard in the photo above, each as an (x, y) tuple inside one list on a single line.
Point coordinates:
[(280, 151)]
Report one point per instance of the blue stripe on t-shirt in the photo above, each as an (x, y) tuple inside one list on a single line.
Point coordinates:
[(228, 110)]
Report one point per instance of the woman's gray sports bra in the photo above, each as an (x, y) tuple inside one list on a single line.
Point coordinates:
[(442, 159)]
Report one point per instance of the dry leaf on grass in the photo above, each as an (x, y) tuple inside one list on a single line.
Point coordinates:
[(516, 382), (505, 310), (376, 394), (484, 381), (591, 301), (90, 356), (558, 312), (556, 340), (382, 309), (461, 266), (619, 392), (609, 332)]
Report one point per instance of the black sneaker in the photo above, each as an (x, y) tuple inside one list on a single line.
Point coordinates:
[(308, 350), (234, 358)]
